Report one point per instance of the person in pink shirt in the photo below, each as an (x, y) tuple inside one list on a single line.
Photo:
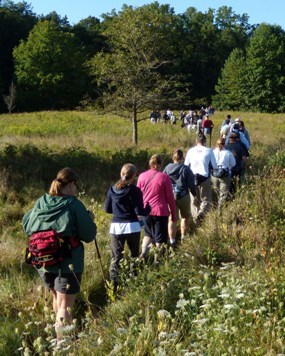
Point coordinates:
[(157, 191)]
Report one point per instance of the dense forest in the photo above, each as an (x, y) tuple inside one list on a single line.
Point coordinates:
[(139, 58)]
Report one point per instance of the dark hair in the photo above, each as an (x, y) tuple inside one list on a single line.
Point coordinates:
[(177, 155), (64, 177), (128, 171), (234, 136), (201, 138)]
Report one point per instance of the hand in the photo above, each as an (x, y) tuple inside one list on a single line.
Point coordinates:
[(148, 208), (91, 214), (196, 201)]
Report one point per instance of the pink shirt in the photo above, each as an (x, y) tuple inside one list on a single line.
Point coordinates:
[(157, 191)]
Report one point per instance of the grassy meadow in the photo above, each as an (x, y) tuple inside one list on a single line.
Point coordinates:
[(222, 292)]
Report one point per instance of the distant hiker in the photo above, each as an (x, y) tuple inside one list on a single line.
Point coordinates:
[(242, 129), (228, 118), (173, 119), (125, 202), (207, 126), (221, 178), (240, 156), (199, 158), (199, 128), (225, 129), (153, 117), (235, 128), (157, 190), (182, 180), (60, 212)]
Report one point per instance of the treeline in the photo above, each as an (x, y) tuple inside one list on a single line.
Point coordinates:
[(139, 58)]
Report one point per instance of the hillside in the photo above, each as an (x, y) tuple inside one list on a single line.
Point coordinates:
[(220, 292)]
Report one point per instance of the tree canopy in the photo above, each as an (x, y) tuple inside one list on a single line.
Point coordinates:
[(139, 58), (49, 67)]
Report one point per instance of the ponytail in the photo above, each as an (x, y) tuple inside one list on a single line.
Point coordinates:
[(128, 172), (64, 177)]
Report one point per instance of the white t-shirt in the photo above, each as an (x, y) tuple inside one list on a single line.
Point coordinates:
[(224, 158), (198, 158)]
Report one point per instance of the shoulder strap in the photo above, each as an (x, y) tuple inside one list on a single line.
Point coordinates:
[(151, 178)]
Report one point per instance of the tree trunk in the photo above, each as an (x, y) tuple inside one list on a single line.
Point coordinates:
[(135, 128)]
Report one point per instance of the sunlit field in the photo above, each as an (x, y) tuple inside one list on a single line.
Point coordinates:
[(221, 291)]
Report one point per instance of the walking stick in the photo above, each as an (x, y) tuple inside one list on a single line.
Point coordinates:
[(99, 257)]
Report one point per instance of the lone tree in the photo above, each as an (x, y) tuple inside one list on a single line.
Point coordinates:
[(131, 71)]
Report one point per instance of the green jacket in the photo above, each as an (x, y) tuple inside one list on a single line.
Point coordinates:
[(68, 216)]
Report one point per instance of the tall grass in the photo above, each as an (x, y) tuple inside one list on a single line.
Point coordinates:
[(221, 292)]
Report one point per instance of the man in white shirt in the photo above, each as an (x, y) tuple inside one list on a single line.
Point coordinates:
[(199, 158)]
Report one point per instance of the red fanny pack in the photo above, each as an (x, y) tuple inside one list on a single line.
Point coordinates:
[(47, 248)]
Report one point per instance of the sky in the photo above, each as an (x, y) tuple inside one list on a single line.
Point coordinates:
[(269, 11)]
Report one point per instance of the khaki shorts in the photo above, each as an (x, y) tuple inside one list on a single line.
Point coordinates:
[(183, 207)]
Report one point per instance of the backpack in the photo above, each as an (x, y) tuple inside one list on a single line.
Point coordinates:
[(47, 248)]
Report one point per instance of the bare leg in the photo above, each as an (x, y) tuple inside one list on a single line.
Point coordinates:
[(172, 231), (184, 227), (65, 303), (145, 245), (54, 301)]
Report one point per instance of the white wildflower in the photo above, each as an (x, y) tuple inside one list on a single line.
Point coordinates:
[(229, 306), (122, 331), (162, 335), (163, 314), (200, 321), (182, 303)]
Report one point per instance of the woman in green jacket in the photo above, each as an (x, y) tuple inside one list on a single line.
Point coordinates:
[(63, 213)]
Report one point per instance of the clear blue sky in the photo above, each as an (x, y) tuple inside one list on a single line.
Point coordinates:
[(269, 11)]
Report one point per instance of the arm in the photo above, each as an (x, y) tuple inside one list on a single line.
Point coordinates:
[(232, 160), (213, 160), (138, 202), (108, 204), (170, 198), (86, 229), (187, 159), (190, 181)]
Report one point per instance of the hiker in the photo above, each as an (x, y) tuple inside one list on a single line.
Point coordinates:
[(235, 128), (225, 129), (199, 128), (240, 155), (199, 158), (125, 202), (157, 190), (182, 180), (227, 120), (61, 211), (221, 178), (207, 126), (242, 129)]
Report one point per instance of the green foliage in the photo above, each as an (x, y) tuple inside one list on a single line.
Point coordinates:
[(265, 69), (49, 66), (229, 88)]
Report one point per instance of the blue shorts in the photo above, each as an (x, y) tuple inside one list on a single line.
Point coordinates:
[(65, 283), (156, 227)]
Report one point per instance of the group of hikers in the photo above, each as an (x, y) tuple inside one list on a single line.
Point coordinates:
[(182, 189)]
